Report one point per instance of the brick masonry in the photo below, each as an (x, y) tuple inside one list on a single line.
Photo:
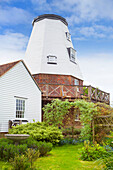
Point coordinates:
[(56, 79)]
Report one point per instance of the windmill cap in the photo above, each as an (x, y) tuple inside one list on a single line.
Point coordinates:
[(50, 16)]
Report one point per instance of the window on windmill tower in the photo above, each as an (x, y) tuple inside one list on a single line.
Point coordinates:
[(76, 82), (20, 108), (68, 36), (72, 54), (51, 59)]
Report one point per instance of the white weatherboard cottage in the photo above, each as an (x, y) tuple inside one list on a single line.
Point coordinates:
[(20, 96)]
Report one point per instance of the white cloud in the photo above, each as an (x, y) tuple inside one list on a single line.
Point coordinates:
[(95, 31), (98, 70), (13, 15), (12, 46), (79, 10)]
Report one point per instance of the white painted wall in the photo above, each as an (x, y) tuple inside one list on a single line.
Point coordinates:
[(48, 37), (18, 82)]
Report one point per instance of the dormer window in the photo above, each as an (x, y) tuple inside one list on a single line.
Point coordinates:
[(72, 54), (51, 59), (68, 36)]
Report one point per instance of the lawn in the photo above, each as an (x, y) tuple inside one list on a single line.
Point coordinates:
[(65, 157), (62, 158)]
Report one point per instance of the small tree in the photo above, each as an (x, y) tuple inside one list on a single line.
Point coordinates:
[(87, 113), (55, 112)]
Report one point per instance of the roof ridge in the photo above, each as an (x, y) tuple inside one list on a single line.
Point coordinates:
[(6, 67)]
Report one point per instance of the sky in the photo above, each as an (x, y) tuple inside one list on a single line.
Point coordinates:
[(90, 24)]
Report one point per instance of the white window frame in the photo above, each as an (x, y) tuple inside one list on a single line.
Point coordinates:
[(72, 54), (76, 82), (20, 107), (68, 36), (51, 59)]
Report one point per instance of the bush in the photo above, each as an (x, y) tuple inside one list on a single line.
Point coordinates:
[(20, 162), (93, 152), (9, 150), (68, 131), (43, 147), (31, 154), (40, 131), (108, 163)]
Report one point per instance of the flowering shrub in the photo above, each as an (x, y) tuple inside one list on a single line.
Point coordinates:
[(93, 152)]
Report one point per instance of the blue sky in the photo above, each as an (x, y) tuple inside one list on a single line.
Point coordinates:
[(90, 24)]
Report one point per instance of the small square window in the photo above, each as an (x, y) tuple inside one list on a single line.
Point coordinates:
[(51, 59), (76, 82), (68, 36)]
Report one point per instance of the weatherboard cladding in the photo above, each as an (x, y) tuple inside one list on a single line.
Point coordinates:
[(48, 38), (18, 82)]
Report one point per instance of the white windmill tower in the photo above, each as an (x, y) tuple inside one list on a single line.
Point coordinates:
[(50, 55)]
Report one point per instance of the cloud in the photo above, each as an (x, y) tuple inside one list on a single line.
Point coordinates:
[(78, 10), (13, 15), (97, 69), (12, 46), (94, 31)]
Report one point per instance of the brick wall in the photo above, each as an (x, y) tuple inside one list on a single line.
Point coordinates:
[(56, 79)]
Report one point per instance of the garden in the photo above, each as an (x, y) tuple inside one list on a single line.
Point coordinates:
[(58, 143)]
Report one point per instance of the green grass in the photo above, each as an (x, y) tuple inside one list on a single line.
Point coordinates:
[(65, 157), (4, 165)]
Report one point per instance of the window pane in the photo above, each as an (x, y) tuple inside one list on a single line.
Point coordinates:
[(20, 108)]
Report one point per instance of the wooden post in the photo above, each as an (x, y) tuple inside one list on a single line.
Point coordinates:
[(20, 122), (93, 128), (96, 94), (89, 92), (109, 98), (61, 91), (47, 90), (76, 91)]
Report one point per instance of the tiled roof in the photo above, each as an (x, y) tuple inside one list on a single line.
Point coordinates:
[(6, 67)]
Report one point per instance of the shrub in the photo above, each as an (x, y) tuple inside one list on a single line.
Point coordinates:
[(43, 147), (20, 162), (32, 155), (108, 163), (68, 131), (40, 131), (93, 152), (10, 150)]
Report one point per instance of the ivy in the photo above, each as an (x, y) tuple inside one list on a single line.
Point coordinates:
[(62, 113), (55, 111)]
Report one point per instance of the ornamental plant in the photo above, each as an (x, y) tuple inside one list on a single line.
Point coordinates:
[(39, 131), (55, 112), (94, 152)]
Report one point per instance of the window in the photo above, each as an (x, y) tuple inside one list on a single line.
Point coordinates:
[(68, 36), (76, 82), (51, 59), (72, 54), (77, 117), (20, 108)]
